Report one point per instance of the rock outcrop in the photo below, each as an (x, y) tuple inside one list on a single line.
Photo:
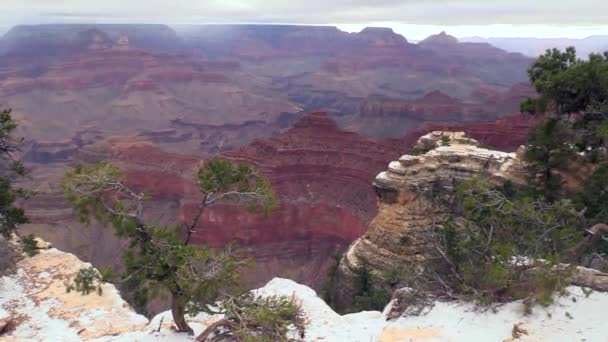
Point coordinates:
[(34, 306), (413, 195)]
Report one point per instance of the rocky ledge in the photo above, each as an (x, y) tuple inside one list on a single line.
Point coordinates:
[(34, 306)]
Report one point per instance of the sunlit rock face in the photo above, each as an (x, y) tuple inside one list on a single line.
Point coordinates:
[(413, 194)]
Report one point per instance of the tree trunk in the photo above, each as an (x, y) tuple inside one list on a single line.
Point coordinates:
[(178, 310)]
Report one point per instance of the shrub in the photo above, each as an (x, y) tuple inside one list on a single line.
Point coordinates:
[(369, 294), (506, 249), (30, 245), (87, 280), (251, 318)]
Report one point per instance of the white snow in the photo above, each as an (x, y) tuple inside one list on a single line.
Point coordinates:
[(46, 313)]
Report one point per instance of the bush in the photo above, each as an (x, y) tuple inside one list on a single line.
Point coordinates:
[(87, 280), (506, 249), (369, 295), (594, 196), (251, 318), (30, 245), (328, 292)]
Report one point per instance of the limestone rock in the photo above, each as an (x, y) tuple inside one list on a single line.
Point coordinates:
[(35, 306), (414, 194), (35, 300)]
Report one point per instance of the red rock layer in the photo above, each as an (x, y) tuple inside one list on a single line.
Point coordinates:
[(321, 176), (504, 134), (435, 106)]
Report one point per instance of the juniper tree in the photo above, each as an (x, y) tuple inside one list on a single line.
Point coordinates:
[(489, 252), (574, 94), (253, 318), (11, 169), (164, 257)]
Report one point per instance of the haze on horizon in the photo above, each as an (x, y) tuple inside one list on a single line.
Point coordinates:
[(416, 19)]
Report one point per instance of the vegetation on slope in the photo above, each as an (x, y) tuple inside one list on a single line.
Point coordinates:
[(197, 277), (11, 169), (503, 243)]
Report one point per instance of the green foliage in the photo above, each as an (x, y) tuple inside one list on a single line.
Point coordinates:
[(419, 150), (567, 84), (601, 132), (328, 292), (549, 149), (161, 257), (445, 140), (11, 169), (490, 254), (30, 245), (594, 196), (87, 280), (575, 88), (251, 318), (237, 182), (94, 191), (368, 296)]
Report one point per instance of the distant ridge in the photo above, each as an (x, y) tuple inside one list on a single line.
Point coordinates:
[(534, 47)]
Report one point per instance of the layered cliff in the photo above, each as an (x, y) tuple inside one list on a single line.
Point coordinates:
[(321, 175), (413, 195), (382, 116), (505, 134)]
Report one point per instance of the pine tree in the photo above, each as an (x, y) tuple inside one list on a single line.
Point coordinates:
[(164, 257), (11, 169)]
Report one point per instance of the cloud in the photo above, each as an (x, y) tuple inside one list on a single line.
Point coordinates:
[(429, 12)]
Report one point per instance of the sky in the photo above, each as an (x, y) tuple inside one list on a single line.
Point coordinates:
[(415, 19)]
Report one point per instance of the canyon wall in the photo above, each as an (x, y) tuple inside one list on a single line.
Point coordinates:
[(320, 173), (322, 176), (159, 101)]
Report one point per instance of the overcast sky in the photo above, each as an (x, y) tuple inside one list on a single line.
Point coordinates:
[(413, 18)]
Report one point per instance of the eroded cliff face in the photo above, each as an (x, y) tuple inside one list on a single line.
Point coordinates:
[(320, 173), (413, 195)]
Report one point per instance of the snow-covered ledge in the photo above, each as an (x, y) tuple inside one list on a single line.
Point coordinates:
[(34, 298)]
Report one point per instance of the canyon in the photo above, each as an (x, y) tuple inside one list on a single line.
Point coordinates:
[(159, 101)]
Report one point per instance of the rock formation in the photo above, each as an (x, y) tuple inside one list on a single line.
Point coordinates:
[(413, 194), (382, 116), (169, 100), (34, 306), (321, 175), (505, 134), (221, 87)]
